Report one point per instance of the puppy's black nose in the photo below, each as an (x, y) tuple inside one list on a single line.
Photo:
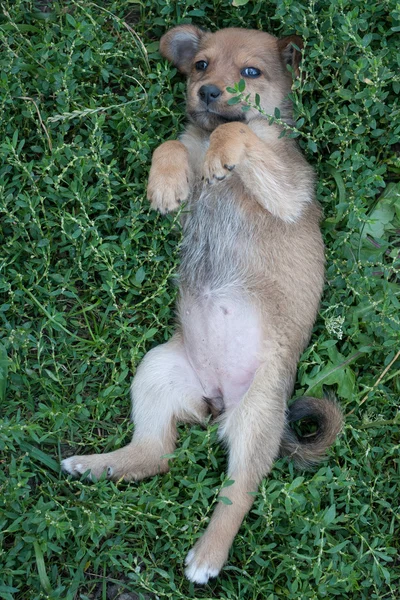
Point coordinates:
[(209, 93)]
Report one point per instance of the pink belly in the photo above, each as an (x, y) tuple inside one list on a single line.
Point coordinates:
[(223, 340)]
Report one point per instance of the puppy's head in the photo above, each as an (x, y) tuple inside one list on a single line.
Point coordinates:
[(215, 61)]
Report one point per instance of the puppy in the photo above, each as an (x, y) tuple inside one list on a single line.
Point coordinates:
[(250, 282)]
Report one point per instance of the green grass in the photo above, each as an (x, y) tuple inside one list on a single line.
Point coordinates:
[(86, 289)]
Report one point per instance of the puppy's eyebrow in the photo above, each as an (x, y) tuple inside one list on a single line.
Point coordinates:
[(205, 52)]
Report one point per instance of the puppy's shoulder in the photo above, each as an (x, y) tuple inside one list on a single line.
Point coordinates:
[(285, 148), (266, 132)]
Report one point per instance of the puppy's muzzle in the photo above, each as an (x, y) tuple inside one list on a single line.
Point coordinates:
[(209, 93)]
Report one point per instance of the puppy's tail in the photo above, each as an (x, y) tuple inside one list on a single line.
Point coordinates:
[(309, 449)]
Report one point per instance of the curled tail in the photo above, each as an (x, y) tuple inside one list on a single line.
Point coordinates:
[(310, 449)]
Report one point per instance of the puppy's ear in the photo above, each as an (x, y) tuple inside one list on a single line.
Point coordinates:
[(289, 54), (180, 44)]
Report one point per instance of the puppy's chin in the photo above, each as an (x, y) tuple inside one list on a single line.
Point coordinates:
[(210, 120)]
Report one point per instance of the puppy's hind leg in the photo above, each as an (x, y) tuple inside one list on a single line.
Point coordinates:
[(164, 390), (252, 430)]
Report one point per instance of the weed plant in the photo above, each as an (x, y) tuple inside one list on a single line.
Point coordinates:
[(87, 288)]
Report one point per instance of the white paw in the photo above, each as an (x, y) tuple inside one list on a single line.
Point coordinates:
[(71, 466), (198, 573)]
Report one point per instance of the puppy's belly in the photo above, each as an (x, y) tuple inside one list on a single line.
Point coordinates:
[(223, 341)]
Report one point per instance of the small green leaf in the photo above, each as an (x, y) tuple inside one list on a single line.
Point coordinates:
[(367, 39), (150, 333), (241, 85), (345, 93), (295, 484), (43, 16), (228, 483), (140, 275), (312, 146), (338, 547), (196, 12), (70, 19), (329, 515), (224, 500)]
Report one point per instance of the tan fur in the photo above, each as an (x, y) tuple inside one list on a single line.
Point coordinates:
[(263, 256), (170, 180)]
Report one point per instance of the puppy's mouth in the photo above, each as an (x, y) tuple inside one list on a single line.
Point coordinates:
[(209, 118)]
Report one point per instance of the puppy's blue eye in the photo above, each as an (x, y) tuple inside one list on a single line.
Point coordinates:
[(250, 72), (201, 65)]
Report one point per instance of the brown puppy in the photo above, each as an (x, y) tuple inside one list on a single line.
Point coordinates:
[(250, 278)]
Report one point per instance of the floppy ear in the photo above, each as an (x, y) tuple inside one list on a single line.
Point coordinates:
[(289, 54), (180, 44)]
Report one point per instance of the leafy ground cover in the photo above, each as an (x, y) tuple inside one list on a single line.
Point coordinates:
[(86, 289)]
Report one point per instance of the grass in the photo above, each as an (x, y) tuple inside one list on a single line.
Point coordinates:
[(86, 289)]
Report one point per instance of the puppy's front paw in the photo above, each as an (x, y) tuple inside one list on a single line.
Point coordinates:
[(166, 190), (205, 560), (226, 151), (217, 167), (169, 179)]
